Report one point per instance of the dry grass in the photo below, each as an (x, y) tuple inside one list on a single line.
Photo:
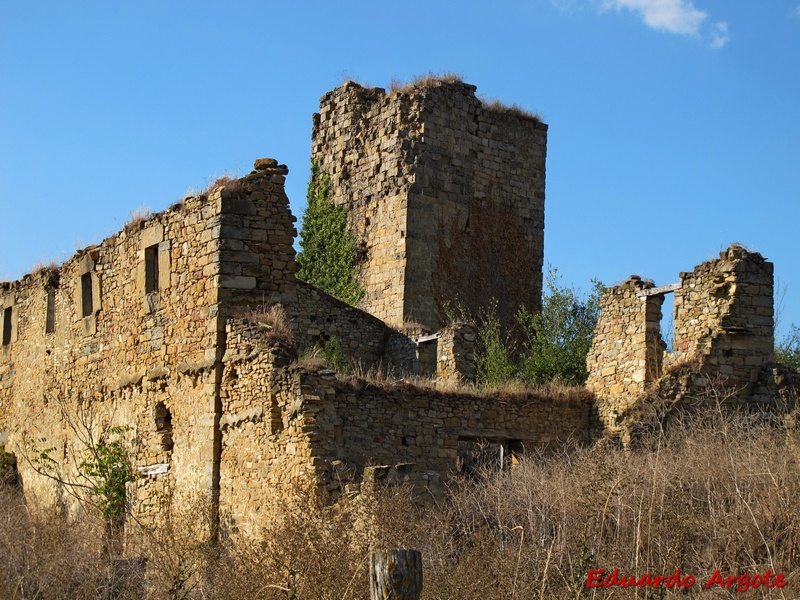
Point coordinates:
[(514, 109), (428, 79), (230, 181), (714, 493), (553, 391), (275, 320), (44, 266), (136, 219), (47, 557)]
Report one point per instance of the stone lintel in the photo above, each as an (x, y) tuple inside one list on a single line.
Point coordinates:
[(662, 289)]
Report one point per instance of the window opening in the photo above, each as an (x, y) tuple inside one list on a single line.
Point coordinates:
[(7, 326), (151, 268), (164, 426), (86, 294), (668, 322), (50, 319)]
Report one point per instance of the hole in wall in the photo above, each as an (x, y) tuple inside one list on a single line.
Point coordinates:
[(163, 419), (668, 321)]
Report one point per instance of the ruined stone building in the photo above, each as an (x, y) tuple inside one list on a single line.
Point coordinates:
[(723, 341), (445, 194), (164, 328), (160, 328)]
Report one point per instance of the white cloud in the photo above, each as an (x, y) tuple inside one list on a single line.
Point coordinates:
[(674, 16), (719, 35), (797, 10)]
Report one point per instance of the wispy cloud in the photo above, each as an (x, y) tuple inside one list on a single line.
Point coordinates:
[(719, 35), (797, 10), (674, 16)]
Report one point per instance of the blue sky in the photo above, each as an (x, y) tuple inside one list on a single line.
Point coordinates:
[(674, 124)]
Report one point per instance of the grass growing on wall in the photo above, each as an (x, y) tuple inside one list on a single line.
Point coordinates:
[(328, 256)]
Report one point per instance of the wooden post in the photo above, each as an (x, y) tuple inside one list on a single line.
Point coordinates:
[(396, 575)]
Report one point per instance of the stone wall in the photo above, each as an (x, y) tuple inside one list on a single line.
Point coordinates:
[(118, 329), (724, 316), (445, 195), (724, 336), (626, 353), (455, 354), (284, 427), (132, 332)]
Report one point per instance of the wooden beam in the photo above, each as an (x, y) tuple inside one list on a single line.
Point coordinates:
[(663, 289)]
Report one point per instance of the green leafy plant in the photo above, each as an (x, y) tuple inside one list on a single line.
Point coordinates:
[(558, 338), (328, 256), (495, 349), (787, 351), (549, 346), (109, 469), (101, 468)]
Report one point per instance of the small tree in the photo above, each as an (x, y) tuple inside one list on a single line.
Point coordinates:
[(787, 351), (495, 349), (328, 256), (558, 339), (100, 471)]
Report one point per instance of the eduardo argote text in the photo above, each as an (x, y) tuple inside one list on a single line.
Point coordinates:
[(599, 578)]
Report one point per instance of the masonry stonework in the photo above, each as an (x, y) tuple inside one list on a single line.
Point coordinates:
[(444, 193), (163, 329), (724, 335), (626, 353), (284, 426)]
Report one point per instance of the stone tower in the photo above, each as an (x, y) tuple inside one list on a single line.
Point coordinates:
[(444, 193)]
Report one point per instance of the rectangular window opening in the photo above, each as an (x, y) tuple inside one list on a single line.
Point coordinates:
[(86, 295), (50, 320), (151, 269), (7, 326)]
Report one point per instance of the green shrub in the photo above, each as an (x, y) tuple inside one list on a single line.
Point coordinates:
[(558, 339), (328, 256), (494, 350), (787, 351)]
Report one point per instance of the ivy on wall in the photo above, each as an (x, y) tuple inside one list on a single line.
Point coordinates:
[(328, 256)]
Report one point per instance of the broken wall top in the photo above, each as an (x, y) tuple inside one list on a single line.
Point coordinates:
[(723, 323)]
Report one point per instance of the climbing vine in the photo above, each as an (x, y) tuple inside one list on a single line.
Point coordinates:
[(328, 256)]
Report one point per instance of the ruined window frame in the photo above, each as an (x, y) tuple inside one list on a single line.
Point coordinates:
[(8, 323), (151, 271), (50, 311), (154, 266), (87, 285), (87, 301)]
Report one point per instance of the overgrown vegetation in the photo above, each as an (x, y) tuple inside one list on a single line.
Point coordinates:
[(275, 319), (101, 468), (328, 353), (548, 346), (558, 339), (787, 350), (515, 109), (427, 79), (328, 256), (713, 493)]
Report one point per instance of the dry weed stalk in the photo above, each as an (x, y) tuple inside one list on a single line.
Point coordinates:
[(275, 320), (136, 219), (713, 491), (427, 79)]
